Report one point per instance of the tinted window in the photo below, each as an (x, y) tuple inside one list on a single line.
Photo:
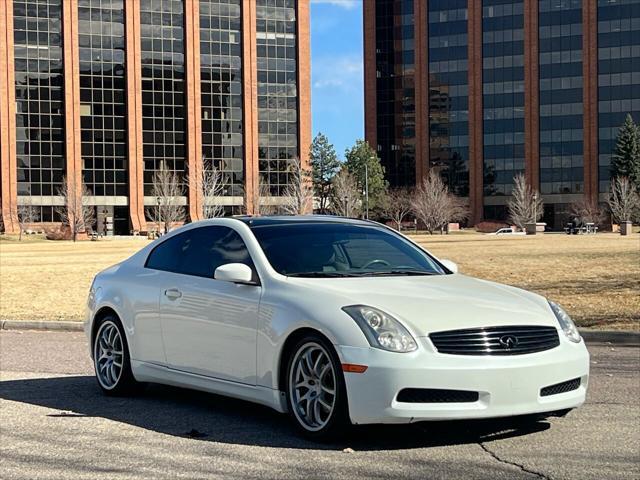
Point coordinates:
[(330, 249), (199, 252)]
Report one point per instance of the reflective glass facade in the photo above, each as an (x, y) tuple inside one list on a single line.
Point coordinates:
[(163, 87), (277, 91), (560, 91), (39, 99), (103, 96), (503, 94), (449, 92), (618, 76), (395, 85), (221, 90)]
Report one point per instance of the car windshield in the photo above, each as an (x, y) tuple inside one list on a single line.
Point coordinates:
[(341, 250)]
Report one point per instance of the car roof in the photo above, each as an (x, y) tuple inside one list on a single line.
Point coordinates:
[(274, 220)]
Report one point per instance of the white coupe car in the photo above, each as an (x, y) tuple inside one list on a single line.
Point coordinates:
[(333, 321)]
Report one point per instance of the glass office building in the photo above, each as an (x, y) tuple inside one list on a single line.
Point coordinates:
[(107, 93), (396, 104), (554, 80)]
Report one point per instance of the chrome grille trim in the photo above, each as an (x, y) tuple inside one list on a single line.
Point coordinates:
[(487, 340)]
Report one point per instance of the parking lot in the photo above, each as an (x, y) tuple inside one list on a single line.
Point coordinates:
[(55, 423)]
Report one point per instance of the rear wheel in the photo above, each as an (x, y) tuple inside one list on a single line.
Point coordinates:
[(111, 359), (316, 392)]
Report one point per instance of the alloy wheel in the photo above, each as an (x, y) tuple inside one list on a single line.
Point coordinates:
[(312, 386), (108, 355)]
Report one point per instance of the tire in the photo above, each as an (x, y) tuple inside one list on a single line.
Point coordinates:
[(111, 360), (315, 389)]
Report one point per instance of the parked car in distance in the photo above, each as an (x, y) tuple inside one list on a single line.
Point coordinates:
[(507, 231), (335, 321)]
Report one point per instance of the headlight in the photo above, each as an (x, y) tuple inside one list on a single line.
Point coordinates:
[(568, 327), (382, 330)]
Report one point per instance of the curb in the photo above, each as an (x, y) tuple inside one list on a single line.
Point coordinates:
[(620, 337), (41, 325)]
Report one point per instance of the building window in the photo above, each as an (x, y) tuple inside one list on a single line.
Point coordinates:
[(560, 93), (449, 93), (221, 87), (163, 88), (277, 92), (39, 99), (102, 96), (618, 76), (395, 86), (503, 94)]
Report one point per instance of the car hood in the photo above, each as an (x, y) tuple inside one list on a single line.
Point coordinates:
[(440, 302)]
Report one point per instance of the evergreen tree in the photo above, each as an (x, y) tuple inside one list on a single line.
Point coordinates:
[(325, 165), (626, 156), (357, 157)]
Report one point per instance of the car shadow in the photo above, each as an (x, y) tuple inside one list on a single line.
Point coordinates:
[(208, 417)]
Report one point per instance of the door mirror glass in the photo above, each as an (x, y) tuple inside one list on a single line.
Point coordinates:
[(453, 266), (235, 273)]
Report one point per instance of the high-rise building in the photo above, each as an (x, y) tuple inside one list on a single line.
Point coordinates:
[(483, 90), (109, 92)]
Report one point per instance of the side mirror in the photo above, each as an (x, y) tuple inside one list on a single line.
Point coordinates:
[(453, 266), (234, 273)]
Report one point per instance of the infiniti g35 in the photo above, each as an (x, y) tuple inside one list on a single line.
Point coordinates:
[(334, 321)]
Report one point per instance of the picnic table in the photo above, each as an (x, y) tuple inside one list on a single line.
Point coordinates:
[(586, 229)]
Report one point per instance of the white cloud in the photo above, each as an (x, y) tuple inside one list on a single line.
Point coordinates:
[(348, 4), (338, 72)]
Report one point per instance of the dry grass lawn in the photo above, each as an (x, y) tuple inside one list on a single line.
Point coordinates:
[(596, 278)]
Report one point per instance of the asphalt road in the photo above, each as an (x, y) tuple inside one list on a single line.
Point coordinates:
[(55, 423)]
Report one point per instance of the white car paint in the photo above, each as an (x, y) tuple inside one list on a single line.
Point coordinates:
[(227, 337)]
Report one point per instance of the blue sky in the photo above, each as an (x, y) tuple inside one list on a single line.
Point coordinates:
[(337, 100)]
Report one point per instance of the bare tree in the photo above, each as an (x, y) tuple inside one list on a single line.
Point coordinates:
[(586, 211), (434, 206), (27, 214), (75, 212), (397, 205), (167, 190), (346, 199), (211, 185), (264, 204), (525, 205), (624, 201), (298, 195)]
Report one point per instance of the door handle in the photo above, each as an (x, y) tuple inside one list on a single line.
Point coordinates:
[(173, 294)]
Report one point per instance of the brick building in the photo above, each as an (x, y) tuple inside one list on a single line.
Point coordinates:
[(110, 91), (485, 89)]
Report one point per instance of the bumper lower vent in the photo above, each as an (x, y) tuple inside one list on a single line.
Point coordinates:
[(563, 387), (433, 395), (516, 340)]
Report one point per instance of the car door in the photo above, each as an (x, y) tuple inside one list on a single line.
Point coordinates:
[(209, 326)]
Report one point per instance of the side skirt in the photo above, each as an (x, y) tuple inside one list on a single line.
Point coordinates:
[(149, 372)]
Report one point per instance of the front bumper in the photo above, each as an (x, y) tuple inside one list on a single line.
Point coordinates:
[(507, 385)]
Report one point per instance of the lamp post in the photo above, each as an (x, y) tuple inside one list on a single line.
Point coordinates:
[(366, 189)]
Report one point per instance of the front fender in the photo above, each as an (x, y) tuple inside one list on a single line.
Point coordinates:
[(279, 318)]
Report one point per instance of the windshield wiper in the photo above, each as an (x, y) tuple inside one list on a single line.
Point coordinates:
[(396, 273), (321, 274)]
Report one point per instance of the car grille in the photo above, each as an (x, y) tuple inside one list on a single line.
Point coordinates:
[(563, 387), (434, 395), (516, 340)]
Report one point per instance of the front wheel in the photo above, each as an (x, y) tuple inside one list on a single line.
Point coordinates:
[(316, 392), (111, 359)]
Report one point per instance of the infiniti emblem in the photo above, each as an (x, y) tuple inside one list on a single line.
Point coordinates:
[(508, 341)]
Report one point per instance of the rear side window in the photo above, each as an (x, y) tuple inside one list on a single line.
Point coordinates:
[(199, 252)]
